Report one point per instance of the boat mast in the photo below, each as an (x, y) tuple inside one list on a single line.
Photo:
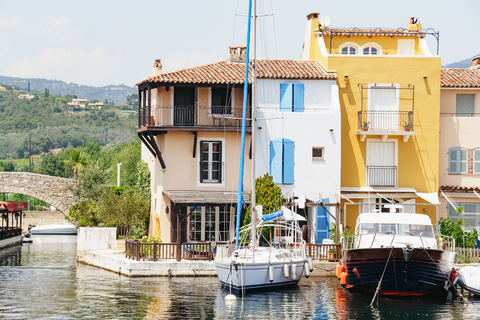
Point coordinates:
[(244, 120), (253, 217)]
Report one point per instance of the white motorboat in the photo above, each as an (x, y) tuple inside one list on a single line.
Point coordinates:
[(60, 228), (469, 279)]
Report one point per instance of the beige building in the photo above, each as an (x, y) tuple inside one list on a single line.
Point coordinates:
[(459, 176)]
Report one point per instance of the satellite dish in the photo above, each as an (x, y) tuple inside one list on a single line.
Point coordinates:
[(325, 21)]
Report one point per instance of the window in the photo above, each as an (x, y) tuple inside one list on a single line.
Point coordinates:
[(211, 223), (382, 160), (349, 50), (465, 105), (221, 101), (457, 161), (370, 51), (476, 161), (383, 106), (211, 161), (282, 161), (406, 47), (317, 153), (291, 97), (470, 214)]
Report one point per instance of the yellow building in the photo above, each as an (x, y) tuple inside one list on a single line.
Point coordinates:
[(389, 91)]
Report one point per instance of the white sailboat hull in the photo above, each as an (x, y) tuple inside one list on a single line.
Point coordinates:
[(245, 270)]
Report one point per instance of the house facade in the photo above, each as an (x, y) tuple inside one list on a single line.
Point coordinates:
[(459, 175), (189, 123), (389, 92)]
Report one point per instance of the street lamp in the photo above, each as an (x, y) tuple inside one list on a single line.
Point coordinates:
[(118, 173)]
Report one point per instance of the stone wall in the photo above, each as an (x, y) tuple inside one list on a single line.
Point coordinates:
[(52, 190)]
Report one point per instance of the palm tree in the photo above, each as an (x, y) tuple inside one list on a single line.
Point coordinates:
[(78, 161)]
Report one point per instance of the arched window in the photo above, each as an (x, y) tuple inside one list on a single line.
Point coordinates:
[(370, 51), (457, 161), (349, 48), (371, 48)]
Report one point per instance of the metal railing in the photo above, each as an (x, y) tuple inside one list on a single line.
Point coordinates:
[(382, 176), (385, 120), (181, 115)]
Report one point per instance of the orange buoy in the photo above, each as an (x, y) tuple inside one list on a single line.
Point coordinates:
[(453, 276), (343, 279), (339, 270), (356, 273)]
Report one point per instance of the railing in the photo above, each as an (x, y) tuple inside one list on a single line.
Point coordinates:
[(385, 120), (123, 232), (9, 232), (381, 176), (467, 255), (173, 115), (153, 251), (329, 252)]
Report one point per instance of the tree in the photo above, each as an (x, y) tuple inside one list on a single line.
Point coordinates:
[(52, 165), (132, 100), (78, 161)]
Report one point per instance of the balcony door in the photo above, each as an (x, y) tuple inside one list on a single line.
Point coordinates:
[(184, 106), (381, 163), (383, 107)]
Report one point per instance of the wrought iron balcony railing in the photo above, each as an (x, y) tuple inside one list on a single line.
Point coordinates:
[(385, 120), (381, 176), (182, 115)]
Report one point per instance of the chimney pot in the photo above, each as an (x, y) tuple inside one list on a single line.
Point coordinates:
[(157, 67), (475, 64), (238, 54)]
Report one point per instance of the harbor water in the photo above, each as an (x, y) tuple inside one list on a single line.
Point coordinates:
[(41, 280)]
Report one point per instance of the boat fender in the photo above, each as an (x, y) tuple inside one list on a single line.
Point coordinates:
[(343, 279), (27, 235), (285, 270), (294, 272), (306, 269), (356, 273), (230, 298), (453, 278), (339, 270), (310, 264), (270, 273)]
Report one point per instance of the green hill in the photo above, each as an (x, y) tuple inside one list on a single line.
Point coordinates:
[(52, 124), (116, 93)]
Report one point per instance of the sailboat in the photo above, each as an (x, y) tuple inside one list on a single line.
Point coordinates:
[(254, 262)]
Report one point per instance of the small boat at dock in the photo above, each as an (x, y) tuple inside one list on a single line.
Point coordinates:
[(60, 228), (469, 279)]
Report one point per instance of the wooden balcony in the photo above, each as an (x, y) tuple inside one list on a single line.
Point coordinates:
[(191, 118)]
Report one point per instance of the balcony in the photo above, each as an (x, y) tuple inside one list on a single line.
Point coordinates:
[(385, 123), (382, 176), (191, 118)]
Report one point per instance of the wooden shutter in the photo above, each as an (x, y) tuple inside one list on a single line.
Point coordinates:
[(276, 160), (476, 161), (220, 168), (288, 161), (457, 161), (321, 223), (298, 97), (286, 92), (465, 105)]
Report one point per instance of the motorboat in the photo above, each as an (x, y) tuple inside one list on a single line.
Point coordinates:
[(397, 254), (60, 228), (469, 279)]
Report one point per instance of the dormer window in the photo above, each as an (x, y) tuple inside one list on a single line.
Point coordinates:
[(370, 51), (349, 50)]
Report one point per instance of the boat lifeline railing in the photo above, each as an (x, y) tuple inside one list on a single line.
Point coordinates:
[(445, 242)]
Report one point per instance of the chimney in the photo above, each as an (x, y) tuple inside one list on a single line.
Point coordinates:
[(238, 54), (157, 68), (414, 24), (475, 63)]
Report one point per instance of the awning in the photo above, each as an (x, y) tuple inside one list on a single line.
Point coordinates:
[(197, 197), (430, 197)]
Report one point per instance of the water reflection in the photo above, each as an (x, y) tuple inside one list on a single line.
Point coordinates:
[(42, 280)]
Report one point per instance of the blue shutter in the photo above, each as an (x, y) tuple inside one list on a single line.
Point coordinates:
[(288, 161), (286, 92), (276, 160), (321, 223), (298, 96)]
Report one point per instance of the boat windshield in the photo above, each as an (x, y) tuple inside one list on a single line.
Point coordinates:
[(401, 229)]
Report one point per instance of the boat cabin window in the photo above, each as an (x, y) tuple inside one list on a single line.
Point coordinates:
[(398, 229)]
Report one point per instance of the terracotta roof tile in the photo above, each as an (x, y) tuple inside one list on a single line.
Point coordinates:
[(355, 32), (459, 188), (460, 78), (225, 72)]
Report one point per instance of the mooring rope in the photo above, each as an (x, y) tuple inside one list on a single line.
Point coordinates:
[(381, 278)]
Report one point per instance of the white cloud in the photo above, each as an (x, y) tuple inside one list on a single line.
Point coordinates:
[(182, 60), (96, 67)]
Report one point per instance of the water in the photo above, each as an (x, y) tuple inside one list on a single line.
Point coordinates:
[(43, 281)]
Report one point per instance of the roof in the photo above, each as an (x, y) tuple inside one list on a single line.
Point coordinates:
[(226, 72), (191, 197), (459, 188), (460, 78), (356, 32)]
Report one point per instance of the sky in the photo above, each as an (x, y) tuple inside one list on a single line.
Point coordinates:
[(111, 42)]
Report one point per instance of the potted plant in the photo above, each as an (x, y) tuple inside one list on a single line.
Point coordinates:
[(407, 126), (365, 125)]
